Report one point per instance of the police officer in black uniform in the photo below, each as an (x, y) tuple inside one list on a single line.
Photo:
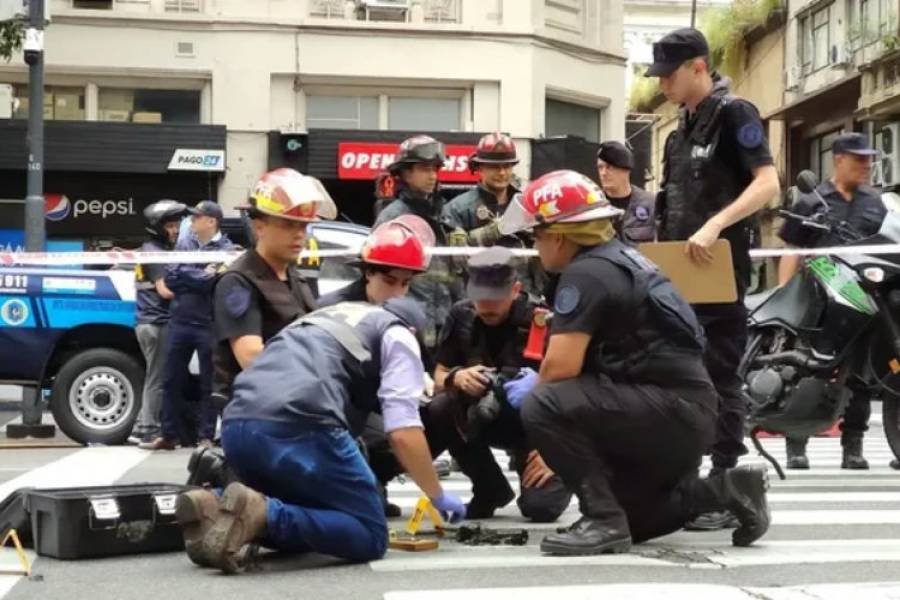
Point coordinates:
[(152, 314), (638, 222), (850, 200), (262, 290), (415, 171), (623, 407), (483, 344), (717, 173)]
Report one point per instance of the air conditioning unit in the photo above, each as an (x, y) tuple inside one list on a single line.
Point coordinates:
[(840, 55), (889, 167), (384, 10), (792, 78), (6, 101)]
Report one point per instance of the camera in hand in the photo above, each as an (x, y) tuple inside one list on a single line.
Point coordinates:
[(485, 410)]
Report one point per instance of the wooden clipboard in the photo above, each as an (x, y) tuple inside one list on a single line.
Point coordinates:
[(699, 284)]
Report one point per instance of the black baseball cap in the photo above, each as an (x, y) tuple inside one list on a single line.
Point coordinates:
[(616, 154), (207, 208), (853, 143), (492, 273), (674, 49)]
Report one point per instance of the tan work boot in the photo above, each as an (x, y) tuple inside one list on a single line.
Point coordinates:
[(196, 511), (241, 519)]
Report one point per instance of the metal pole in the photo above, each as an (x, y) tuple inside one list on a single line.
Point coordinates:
[(693, 13), (35, 234)]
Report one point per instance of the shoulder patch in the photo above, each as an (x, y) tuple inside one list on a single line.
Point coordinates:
[(567, 299), (642, 213), (750, 135), (237, 301)]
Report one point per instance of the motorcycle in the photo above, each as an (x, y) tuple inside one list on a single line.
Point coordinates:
[(832, 329)]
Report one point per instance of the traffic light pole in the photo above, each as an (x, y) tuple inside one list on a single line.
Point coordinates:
[(35, 233)]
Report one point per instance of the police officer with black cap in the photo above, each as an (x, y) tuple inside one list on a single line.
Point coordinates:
[(638, 222), (850, 200), (718, 172), (485, 343), (415, 171)]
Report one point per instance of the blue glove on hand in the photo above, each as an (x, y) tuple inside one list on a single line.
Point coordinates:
[(451, 508), (518, 388)]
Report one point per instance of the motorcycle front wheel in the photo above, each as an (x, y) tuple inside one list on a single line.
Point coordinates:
[(890, 420)]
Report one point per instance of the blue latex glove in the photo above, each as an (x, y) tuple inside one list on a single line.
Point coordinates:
[(451, 507), (518, 388)]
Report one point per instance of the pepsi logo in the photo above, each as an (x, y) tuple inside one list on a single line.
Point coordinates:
[(57, 207)]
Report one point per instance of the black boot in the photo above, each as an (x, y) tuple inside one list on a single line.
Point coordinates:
[(742, 491), (598, 531), (796, 453), (207, 468), (852, 443), (483, 506), (713, 520)]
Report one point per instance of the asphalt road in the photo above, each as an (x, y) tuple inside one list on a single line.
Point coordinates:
[(835, 533)]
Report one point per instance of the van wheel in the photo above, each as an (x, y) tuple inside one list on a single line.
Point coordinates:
[(96, 396)]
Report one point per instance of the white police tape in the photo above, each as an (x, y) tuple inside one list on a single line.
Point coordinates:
[(128, 257)]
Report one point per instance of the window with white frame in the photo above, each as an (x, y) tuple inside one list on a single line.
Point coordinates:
[(412, 110), (566, 118), (149, 105), (424, 114), (93, 4), (814, 31), (871, 20), (183, 6), (342, 112)]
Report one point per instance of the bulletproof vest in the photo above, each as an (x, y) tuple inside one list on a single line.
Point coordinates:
[(359, 328), (660, 336), (473, 336), (279, 306), (697, 183), (638, 224)]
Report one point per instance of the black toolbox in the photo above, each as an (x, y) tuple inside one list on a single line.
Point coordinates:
[(90, 522)]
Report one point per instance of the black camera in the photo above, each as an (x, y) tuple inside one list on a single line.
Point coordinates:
[(486, 409)]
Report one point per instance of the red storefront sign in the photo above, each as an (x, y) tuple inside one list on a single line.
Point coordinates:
[(359, 160)]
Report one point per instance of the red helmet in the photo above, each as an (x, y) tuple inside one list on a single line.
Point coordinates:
[(494, 149), (287, 194), (557, 197), (400, 243)]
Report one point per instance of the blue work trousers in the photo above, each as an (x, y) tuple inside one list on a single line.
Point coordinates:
[(188, 414), (322, 495)]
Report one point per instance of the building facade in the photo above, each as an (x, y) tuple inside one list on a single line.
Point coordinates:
[(330, 86)]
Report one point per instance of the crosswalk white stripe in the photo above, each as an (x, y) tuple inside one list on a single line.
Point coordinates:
[(653, 591), (498, 559)]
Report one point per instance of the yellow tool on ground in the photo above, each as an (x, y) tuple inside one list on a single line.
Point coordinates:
[(407, 540), (20, 552)]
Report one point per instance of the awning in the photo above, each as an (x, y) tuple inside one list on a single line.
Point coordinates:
[(842, 95)]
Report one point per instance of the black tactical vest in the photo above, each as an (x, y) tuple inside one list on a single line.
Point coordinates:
[(638, 224), (473, 336), (280, 305), (658, 342)]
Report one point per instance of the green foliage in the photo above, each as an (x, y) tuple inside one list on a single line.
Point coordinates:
[(11, 33), (726, 26), (643, 89)]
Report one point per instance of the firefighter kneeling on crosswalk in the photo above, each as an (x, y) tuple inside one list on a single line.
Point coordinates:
[(290, 430)]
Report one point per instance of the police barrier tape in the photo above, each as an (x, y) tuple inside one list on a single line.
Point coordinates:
[(127, 257)]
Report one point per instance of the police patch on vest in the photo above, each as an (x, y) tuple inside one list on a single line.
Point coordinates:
[(750, 135), (567, 299), (641, 213), (237, 301)]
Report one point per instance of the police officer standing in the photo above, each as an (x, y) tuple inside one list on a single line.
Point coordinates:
[(717, 173), (262, 290), (152, 316), (615, 162), (416, 169), (484, 343), (289, 433), (623, 407), (850, 200)]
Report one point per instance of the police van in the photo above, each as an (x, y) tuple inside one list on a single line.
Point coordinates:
[(71, 332)]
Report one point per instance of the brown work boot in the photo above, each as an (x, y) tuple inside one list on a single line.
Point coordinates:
[(196, 511), (241, 519), (159, 443)]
